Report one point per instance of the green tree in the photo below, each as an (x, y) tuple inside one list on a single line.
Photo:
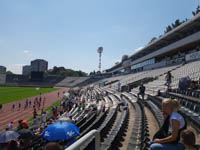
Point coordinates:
[(197, 11), (7, 72), (152, 40)]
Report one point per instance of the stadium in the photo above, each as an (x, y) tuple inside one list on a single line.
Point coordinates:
[(109, 109)]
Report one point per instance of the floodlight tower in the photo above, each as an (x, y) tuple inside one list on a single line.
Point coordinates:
[(100, 51)]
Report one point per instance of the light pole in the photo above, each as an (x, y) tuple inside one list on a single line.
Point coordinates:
[(100, 51)]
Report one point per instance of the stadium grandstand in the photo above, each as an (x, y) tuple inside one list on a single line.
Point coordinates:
[(175, 47), (107, 109)]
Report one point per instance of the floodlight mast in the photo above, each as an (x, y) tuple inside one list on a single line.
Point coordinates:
[(100, 51)]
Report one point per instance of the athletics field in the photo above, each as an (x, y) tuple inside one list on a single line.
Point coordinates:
[(10, 94)]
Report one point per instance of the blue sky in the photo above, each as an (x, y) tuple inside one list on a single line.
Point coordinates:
[(68, 32)]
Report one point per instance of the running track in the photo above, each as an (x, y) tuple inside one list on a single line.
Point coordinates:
[(7, 114)]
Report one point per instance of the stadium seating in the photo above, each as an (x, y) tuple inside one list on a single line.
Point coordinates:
[(112, 124), (139, 136), (71, 81)]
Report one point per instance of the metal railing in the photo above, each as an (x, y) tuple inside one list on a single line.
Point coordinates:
[(85, 140)]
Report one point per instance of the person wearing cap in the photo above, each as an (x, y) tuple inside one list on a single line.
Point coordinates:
[(10, 125)]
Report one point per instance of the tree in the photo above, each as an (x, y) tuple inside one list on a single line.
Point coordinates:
[(152, 40), (168, 28), (174, 25), (197, 11), (177, 23), (7, 72), (61, 71)]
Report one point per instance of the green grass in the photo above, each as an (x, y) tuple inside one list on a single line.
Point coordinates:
[(10, 94)]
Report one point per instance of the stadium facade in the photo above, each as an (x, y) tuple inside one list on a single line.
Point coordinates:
[(180, 45), (2, 69)]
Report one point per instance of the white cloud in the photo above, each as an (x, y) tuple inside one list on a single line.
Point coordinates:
[(15, 68), (26, 51), (27, 54)]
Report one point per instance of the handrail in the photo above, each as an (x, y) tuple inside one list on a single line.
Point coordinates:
[(80, 144)]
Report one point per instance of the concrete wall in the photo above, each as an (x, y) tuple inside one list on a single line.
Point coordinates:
[(2, 79)]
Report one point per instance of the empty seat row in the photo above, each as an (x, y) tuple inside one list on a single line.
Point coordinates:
[(112, 141), (139, 137)]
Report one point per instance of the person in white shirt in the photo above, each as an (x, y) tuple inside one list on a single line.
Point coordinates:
[(44, 117), (36, 122), (68, 114), (123, 102), (176, 124), (10, 125)]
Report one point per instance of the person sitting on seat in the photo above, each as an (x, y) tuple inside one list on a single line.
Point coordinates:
[(53, 146), (193, 86), (175, 126), (122, 102), (188, 139)]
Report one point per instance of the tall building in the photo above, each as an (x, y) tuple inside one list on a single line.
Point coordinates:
[(2, 69), (26, 70), (39, 65)]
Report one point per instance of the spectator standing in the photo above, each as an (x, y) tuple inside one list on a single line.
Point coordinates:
[(44, 117), (119, 85), (10, 125), (168, 79), (141, 92), (36, 122)]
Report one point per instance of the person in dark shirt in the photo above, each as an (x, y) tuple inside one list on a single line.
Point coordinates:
[(20, 125), (168, 79), (13, 106), (1, 106), (19, 106), (141, 92)]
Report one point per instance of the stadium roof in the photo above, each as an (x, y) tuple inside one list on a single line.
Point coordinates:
[(178, 31), (172, 36)]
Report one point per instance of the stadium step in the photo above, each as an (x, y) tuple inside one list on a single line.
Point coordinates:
[(127, 134), (112, 126), (153, 124)]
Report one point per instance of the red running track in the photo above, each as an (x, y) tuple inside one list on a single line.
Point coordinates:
[(7, 114)]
